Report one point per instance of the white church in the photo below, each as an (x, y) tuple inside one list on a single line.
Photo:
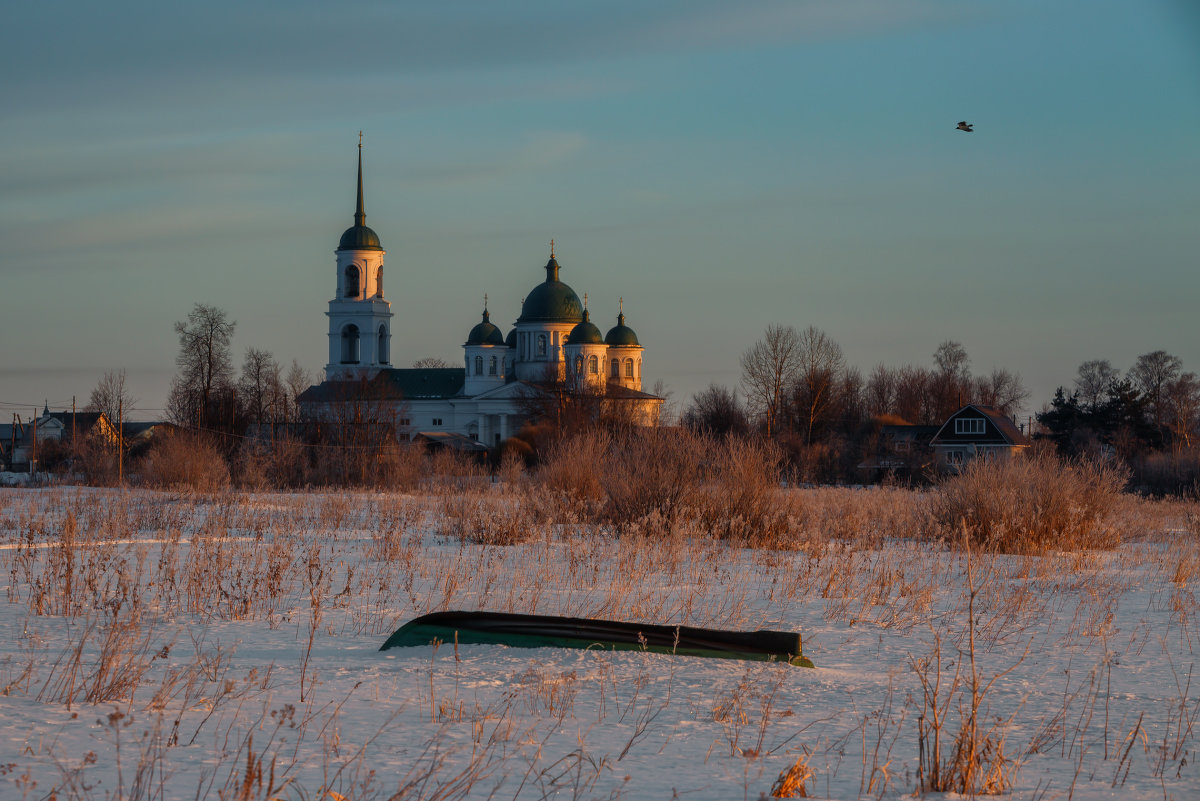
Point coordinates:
[(553, 347)]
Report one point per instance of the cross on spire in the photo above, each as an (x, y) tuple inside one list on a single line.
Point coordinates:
[(552, 248), (360, 216)]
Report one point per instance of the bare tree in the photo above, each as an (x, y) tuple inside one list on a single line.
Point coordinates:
[(951, 386), (880, 392), (914, 397), (1152, 373), (1001, 389), (430, 361), (669, 412), (820, 373), (716, 410), (205, 366), (111, 397), (1182, 398), (297, 381), (1092, 381), (770, 368), (260, 386)]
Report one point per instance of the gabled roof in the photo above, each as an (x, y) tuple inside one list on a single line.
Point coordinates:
[(449, 439), (428, 383), (998, 430)]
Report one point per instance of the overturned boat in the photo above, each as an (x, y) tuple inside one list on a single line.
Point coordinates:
[(553, 631)]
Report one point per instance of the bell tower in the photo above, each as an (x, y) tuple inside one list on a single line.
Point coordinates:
[(360, 320)]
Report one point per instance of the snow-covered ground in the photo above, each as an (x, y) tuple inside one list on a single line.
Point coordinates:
[(159, 646)]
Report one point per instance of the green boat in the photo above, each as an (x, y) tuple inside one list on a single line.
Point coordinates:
[(552, 631)]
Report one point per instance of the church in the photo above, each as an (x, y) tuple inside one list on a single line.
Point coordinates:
[(553, 351)]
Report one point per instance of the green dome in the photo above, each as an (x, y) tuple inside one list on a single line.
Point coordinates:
[(586, 333), (485, 333), (621, 335), (359, 237), (551, 301)]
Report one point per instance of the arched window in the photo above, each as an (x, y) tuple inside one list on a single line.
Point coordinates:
[(350, 344), (593, 365), (616, 368), (478, 365), (492, 366), (351, 281), (379, 281), (629, 368), (639, 368), (382, 350), (578, 365), (541, 345)]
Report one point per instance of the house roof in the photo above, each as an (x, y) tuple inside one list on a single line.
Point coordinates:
[(449, 439), (428, 383), (999, 431)]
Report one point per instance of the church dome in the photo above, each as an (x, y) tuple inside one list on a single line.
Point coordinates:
[(551, 301), (621, 335), (485, 333), (586, 333), (359, 237), (511, 339)]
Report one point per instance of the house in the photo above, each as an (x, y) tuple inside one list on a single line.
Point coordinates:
[(976, 430), (901, 451)]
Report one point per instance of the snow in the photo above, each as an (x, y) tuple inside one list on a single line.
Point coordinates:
[(179, 664)]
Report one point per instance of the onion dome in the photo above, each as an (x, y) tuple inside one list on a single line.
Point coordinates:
[(621, 335), (551, 301), (586, 333), (359, 236), (485, 333)]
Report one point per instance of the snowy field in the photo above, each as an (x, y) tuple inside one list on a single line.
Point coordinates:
[(155, 646)]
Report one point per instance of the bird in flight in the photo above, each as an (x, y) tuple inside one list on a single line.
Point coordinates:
[(965, 126)]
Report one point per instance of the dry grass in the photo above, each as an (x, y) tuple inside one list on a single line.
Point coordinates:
[(134, 572), (1031, 505)]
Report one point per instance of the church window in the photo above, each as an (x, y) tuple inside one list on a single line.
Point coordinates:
[(379, 281), (478, 365), (593, 365), (639, 368), (383, 345), (616, 368), (541, 345), (350, 344), (351, 281), (629, 368), (437, 421), (578, 365), (492, 366)]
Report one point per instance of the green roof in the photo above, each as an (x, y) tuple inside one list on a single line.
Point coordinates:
[(621, 335), (586, 333), (429, 383), (485, 333), (552, 300), (359, 237)]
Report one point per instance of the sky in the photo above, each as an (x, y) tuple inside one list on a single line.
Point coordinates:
[(721, 166)]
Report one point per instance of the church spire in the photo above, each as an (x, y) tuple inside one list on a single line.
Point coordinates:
[(360, 217)]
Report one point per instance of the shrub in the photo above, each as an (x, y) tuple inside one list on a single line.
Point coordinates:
[(653, 474), (1031, 504), (183, 460), (742, 497)]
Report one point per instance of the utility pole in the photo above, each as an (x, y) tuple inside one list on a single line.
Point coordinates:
[(120, 442), (33, 459)]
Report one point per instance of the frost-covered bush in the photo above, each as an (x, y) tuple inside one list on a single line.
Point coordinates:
[(1031, 504)]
